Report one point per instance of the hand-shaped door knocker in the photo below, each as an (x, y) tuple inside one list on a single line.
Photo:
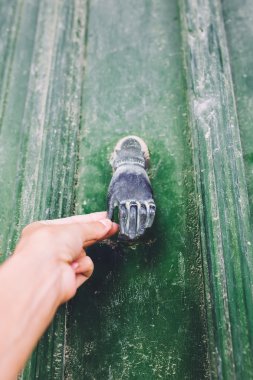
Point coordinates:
[(130, 189)]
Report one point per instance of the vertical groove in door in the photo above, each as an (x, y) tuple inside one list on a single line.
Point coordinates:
[(220, 178)]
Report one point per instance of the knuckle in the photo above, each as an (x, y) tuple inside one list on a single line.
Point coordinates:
[(29, 227), (123, 212), (89, 266), (39, 237), (43, 234), (90, 263)]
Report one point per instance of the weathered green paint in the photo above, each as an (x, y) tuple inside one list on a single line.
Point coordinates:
[(138, 85), (224, 208), (142, 314), (77, 75), (40, 121), (226, 234), (238, 18)]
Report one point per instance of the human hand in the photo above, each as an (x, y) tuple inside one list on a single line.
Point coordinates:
[(47, 267), (62, 243)]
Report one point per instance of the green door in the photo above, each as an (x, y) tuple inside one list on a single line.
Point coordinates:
[(75, 77)]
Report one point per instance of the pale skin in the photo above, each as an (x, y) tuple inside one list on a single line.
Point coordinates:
[(47, 267)]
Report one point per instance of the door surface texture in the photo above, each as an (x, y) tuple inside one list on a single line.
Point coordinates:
[(75, 77)]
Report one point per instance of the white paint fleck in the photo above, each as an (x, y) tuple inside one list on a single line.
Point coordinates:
[(207, 134)]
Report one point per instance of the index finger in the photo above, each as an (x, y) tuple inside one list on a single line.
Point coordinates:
[(79, 235), (95, 231), (93, 217)]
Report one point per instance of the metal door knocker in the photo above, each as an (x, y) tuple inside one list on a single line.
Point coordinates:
[(130, 189)]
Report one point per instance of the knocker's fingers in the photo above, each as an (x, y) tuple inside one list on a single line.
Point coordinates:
[(151, 213), (123, 218), (110, 207), (132, 220), (142, 218)]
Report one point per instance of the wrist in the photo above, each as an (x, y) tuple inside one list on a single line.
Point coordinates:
[(38, 274), (32, 299)]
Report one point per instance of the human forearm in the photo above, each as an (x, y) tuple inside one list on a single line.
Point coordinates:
[(28, 305)]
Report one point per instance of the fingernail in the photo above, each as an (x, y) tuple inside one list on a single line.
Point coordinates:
[(75, 265), (107, 223), (115, 224)]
